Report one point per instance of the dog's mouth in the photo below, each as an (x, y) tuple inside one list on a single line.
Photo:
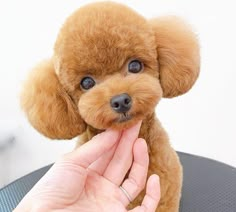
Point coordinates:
[(124, 117)]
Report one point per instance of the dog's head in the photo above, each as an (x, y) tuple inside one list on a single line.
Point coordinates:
[(110, 68)]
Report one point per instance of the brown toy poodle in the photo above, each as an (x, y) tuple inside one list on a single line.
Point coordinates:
[(110, 68)]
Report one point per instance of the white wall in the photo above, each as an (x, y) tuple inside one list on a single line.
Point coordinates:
[(201, 122)]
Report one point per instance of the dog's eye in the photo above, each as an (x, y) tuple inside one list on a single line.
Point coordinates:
[(135, 66), (87, 83)]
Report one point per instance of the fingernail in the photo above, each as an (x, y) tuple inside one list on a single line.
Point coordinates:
[(156, 178)]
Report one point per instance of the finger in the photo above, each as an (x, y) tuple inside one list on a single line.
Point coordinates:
[(100, 165), (122, 159), (152, 197), (94, 149), (136, 180)]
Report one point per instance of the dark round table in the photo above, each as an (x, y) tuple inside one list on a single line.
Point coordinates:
[(209, 186)]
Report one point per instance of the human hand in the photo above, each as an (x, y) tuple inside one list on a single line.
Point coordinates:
[(89, 178)]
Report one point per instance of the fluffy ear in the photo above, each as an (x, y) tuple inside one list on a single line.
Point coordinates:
[(178, 55), (47, 105)]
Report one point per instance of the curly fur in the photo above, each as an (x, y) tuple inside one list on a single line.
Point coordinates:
[(99, 40)]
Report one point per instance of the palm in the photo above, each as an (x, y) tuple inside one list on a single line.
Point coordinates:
[(99, 193)]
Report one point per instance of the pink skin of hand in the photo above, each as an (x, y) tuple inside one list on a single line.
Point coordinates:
[(89, 178)]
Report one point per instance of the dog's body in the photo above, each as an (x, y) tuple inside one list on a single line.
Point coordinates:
[(110, 68)]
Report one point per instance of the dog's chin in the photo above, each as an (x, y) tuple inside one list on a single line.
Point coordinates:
[(120, 122), (125, 121)]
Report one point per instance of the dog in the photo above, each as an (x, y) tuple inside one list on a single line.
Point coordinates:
[(110, 68)]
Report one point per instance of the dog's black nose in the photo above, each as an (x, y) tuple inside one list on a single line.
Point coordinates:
[(121, 103)]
